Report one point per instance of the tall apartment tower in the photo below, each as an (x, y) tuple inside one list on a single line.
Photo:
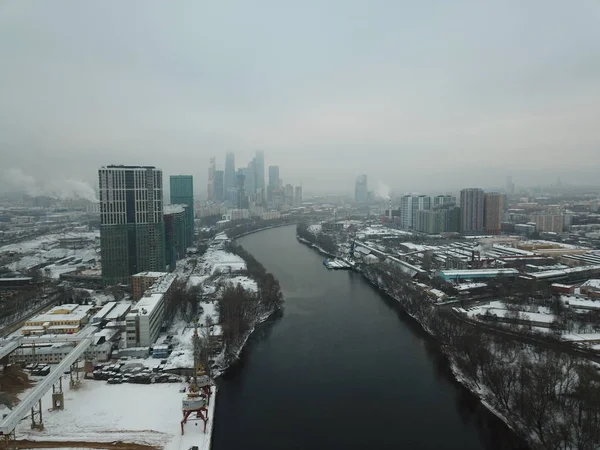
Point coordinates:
[(443, 199), (409, 205), (361, 191), (132, 231), (182, 193), (251, 181), (298, 196), (218, 186), (274, 177), (492, 205), (472, 210), (229, 175), (259, 169), (212, 168)]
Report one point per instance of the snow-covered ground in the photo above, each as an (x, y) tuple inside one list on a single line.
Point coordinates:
[(314, 229), (247, 283), (540, 314), (183, 352), (47, 240), (222, 261), (140, 413), (468, 286), (47, 248), (195, 280)]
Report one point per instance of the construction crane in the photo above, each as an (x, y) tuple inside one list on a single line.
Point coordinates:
[(197, 399)]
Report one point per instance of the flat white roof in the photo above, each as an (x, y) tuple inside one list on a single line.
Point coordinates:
[(77, 314), (68, 306), (467, 272), (119, 310), (105, 310), (163, 284), (150, 274), (147, 303)]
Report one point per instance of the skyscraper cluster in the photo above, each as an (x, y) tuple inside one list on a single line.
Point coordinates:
[(247, 187)]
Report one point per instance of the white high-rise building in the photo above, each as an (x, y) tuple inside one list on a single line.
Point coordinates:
[(212, 168), (298, 196), (409, 205)]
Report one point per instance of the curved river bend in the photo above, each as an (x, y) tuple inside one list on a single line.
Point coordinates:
[(342, 369)]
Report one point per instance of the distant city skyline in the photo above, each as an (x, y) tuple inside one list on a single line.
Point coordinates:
[(444, 90)]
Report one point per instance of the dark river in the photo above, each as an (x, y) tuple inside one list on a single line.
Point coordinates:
[(344, 369)]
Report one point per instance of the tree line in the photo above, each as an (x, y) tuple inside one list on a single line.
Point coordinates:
[(244, 226), (323, 240), (241, 309), (550, 398)]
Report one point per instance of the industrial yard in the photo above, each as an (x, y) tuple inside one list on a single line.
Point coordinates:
[(97, 412), (121, 362)]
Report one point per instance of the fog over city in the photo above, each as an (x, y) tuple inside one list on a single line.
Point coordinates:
[(420, 96)]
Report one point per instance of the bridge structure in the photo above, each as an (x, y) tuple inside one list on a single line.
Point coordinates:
[(32, 403)]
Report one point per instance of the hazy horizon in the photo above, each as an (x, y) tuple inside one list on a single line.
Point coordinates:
[(420, 97)]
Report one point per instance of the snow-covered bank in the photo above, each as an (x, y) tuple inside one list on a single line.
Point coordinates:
[(236, 295), (462, 379), (268, 227), (315, 246)]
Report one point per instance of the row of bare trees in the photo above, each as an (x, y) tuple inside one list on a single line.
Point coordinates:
[(240, 309), (245, 226), (550, 398), (323, 240)]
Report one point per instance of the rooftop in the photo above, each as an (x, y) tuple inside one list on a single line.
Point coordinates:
[(105, 310), (119, 310), (78, 313), (163, 284), (146, 305), (149, 274), (173, 209)]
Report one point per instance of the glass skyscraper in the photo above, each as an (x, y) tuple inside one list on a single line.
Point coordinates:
[(132, 233), (182, 193)]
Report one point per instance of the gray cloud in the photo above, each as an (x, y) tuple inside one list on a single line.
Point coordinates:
[(417, 94)]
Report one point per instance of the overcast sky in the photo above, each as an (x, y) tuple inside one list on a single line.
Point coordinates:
[(419, 95)]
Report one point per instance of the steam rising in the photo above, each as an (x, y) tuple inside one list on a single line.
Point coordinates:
[(16, 179), (383, 191)]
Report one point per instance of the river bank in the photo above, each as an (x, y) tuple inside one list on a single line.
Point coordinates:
[(305, 379), (315, 247), (461, 378), (243, 310)]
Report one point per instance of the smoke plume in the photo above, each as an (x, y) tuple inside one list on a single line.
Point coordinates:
[(383, 191), (16, 179)]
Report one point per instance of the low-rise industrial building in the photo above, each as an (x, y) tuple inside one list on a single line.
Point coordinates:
[(54, 353), (479, 274), (144, 321), (591, 288), (63, 319)]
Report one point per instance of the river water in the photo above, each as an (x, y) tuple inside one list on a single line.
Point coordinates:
[(343, 368)]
